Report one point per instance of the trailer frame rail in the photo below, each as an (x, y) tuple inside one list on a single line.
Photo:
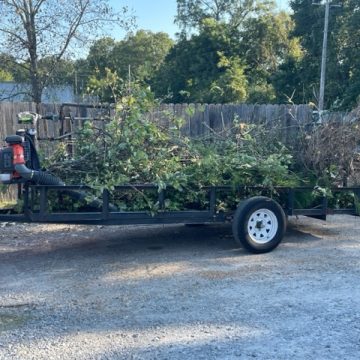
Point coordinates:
[(104, 216)]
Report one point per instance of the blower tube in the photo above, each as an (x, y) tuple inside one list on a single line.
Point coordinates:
[(39, 177)]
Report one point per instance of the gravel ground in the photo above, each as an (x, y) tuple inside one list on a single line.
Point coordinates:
[(176, 292)]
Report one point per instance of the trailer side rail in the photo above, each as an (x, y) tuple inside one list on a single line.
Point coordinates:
[(107, 217)]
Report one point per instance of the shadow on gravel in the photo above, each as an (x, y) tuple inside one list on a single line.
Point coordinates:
[(296, 235), (128, 240), (136, 243), (131, 239), (130, 246)]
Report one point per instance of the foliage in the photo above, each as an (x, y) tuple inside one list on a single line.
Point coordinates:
[(136, 58), (227, 50), (231, 56), (131, 149), (100, 55), (144, 52), (191, 13), (5, 75), (231, 85), (11, 68), (107, 87), (267, 46), (349, 54), (57, 71), (203, 69), (226, 60)]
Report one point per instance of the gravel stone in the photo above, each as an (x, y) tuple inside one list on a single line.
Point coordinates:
[(176, 292)]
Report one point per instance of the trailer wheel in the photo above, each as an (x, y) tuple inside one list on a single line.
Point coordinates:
[(259, 224)]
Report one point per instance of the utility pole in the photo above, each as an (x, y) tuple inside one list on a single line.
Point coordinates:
[(324, 54), (323, 57)]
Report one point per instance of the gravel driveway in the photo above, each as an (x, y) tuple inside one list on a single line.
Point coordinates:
[(176, 292)]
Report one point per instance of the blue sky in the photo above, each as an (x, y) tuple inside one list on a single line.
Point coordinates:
[(157, 15)]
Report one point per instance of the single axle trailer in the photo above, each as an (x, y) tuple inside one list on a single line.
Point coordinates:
[(258, 215), (258, 221)]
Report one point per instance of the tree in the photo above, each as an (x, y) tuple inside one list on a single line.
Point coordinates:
[(349, 52), (5, 72), (225, 61), (231, 85), (143, 52), (204, 68), (32, 30), (191, 13), (101, 57), (266, 44), (309, 25), (10, 66), (137, 58)]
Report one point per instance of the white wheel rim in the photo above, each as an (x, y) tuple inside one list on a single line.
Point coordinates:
[(262, 226)]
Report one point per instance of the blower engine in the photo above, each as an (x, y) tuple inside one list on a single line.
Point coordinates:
[(19, 161)]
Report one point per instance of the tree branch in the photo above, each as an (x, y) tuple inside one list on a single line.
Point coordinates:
[(11, 33), (11, 96)]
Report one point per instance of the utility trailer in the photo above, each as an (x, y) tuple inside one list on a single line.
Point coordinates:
[(258, 217), (258, 222)]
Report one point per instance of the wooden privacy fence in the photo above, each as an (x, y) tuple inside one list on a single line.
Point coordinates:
[(283, 121), (202, 119), (199, 119)]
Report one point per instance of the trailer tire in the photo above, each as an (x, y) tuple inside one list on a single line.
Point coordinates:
[(259, 224)]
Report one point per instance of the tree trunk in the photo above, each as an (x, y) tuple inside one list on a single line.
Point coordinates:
[(36, 90), (29, 24)]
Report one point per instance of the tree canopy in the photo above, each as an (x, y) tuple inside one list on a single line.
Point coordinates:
[(137, 58), (140, 53), (191, 13), (226, 51), (203, 68), (227, 60)]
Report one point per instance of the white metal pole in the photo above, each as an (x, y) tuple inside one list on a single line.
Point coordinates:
[(323, 58)]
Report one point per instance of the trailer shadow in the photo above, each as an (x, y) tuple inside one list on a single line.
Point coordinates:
[(307, 229), (172, 242), (296, 234), (121, 239), (210, 241)]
